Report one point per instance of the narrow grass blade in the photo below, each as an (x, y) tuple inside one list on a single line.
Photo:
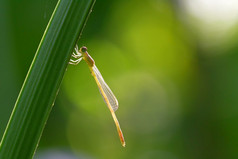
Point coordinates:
[(43, 80)]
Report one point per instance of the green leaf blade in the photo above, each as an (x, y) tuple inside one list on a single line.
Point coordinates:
[(43, 80)]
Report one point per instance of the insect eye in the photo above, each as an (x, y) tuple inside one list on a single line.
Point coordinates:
[(84, 49)]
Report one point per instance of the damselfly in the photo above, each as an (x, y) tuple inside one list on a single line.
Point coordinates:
[(104, 89)]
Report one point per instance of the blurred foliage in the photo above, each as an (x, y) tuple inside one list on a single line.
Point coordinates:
[(177, 86)]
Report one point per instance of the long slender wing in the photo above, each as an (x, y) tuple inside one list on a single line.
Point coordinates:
[(109, 99), (109, 95)]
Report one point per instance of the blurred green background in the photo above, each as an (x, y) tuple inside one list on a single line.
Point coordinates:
[(173, 65)]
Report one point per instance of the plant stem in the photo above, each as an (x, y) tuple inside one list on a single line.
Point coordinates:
[(43, 80)]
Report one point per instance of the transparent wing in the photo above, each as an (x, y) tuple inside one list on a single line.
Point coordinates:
[(110, 96)]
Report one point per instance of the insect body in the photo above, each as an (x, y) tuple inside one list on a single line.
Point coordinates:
[(104, 89)]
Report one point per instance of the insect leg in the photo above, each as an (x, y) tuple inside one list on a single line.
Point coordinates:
[(75, 62)]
